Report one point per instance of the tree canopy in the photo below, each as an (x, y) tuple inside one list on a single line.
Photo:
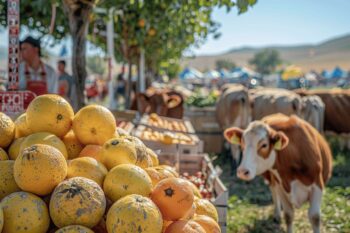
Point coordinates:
[(163, 28), (266, 61), (225, 64)]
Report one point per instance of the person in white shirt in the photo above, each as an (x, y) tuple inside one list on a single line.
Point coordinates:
[(34, 74)]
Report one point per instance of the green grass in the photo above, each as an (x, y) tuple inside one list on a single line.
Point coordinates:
[(250, 204)]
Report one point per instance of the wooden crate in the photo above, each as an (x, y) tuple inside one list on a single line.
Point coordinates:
[(201, 162), (185, 122), (170, 148), (206, 127), (126, 115), (126, 125)]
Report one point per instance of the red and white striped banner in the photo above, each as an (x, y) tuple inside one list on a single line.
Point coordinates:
[(13, 52)]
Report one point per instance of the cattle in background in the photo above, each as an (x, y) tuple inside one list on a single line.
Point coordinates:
[(337, 108), (267, 101), (294, 156), (233, 109), (161, 101), (313, 111)]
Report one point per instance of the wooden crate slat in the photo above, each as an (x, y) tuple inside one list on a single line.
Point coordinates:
[(170, 148), (188, 125)]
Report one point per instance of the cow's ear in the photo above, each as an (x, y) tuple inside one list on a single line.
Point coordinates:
[(280, 141), (173, 101), (233, 135)]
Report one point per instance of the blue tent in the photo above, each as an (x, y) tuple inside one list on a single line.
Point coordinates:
[(213, 74), (224, 73), (242, 73), (338, 73), (326, 74), (190, 73)]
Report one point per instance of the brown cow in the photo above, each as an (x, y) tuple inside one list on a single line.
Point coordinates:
[(233, 109), (295, 156), (163, 102), (267, 101), (337, 108), (313, 110)]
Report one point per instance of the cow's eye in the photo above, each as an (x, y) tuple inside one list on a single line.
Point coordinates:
[(264, 145)]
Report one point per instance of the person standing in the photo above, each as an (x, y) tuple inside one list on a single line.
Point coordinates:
[(121, 86), (34, 74), (65, 81), (66, 85)]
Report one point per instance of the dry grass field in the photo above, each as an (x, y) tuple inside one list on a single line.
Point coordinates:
[(327, 55)]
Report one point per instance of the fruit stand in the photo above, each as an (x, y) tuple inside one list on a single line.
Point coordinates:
[(83, 172)]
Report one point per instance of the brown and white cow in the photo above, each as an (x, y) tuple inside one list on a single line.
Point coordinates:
[(293, 155)]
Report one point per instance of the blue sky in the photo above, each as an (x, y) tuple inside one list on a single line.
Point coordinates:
[(281, 22), (275, 22)]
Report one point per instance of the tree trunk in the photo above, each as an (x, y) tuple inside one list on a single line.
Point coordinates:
[(129, 87), (138, 82), (78, 14)]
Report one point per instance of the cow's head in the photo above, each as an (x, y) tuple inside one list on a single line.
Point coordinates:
[(259, 144), (143, 103)]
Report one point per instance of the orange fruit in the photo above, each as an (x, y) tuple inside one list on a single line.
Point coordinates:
[(134, 213), (153, 156), (74, 147), (195, 190), (141, 23), (93, 151), (7, 130), (157, 174), (126, 179), (87, 167), (205, 207), (174, 197), (118, 151), (46, 139), (39, 169), (22, 128), (15, 148), (8, 184), (207, 223), (50, 113), (94, 124), (3, 155), (183, 226)]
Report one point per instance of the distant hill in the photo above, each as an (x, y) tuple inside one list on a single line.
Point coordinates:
[(326, 55)]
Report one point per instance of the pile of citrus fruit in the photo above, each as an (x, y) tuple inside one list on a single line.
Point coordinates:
[(78, 173)]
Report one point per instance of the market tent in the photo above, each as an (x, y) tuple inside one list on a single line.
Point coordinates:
[(338, 73), (224, 73), (190, 73), (326, 74), (291, 72), (242, 73), (212, 74)]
